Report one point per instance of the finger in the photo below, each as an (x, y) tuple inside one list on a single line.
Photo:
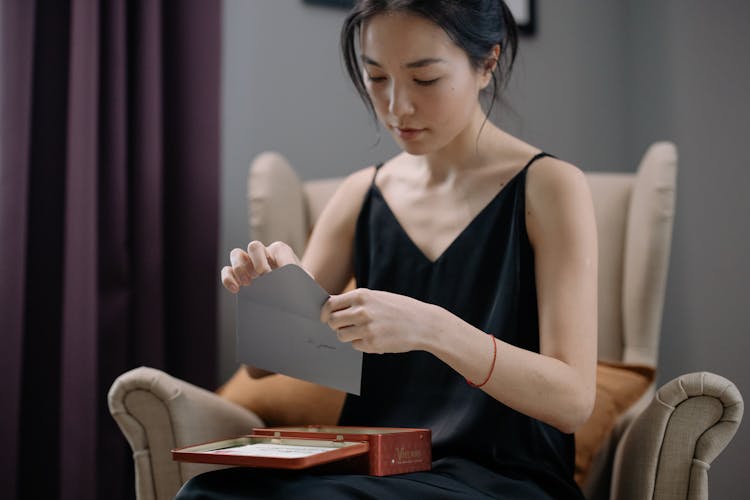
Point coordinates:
[(347, 299), (340, 319), (359, 342), (333, 304), (281, 254), (350, 334), (242, 266), (229, 280), (325, 311), (257, 253), (363, 346), (348, 317), (342, 301)]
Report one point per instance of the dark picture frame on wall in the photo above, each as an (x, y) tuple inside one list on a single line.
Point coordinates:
[(523, 10)]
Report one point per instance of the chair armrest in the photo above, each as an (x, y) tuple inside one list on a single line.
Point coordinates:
[(667, 451), (156, 413)]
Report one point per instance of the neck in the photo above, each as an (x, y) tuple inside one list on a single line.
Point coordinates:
[(470, 149)]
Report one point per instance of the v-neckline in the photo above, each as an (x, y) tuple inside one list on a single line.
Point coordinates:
[(463, 231)]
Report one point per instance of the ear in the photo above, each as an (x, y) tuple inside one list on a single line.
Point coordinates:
[(490, 63)]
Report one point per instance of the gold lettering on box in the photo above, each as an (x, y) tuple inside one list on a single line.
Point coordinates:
[(404, 456)]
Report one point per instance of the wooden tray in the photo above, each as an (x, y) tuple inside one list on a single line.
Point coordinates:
[(271, 452), (393, 450)]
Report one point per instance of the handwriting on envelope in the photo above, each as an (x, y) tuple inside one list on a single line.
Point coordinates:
[(279, 329)]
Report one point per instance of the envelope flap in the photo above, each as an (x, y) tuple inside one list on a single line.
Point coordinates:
[(289, 289)]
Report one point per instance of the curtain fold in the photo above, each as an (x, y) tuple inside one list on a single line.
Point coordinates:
[(80, 302), (16, 51), (109, 168)]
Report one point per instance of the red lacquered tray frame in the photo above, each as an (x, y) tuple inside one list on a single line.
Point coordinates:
[(339, 450), (392, 450)]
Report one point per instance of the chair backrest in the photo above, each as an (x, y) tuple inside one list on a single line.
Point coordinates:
[(634, 214)]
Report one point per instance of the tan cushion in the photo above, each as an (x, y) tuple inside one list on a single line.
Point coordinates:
[(618, 386), (281, 400)]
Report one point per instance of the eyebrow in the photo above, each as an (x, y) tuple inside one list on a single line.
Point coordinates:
[(421, 63)]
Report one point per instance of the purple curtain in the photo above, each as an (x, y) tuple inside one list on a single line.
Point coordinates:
[(109, 167)]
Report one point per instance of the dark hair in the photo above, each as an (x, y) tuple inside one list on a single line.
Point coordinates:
[(475, 26)]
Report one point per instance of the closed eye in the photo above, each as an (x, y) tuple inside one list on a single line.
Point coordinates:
[(426, 83), (376, 79)]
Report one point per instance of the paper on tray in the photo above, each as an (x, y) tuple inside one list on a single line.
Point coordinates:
[(271, 450), (279, 330)]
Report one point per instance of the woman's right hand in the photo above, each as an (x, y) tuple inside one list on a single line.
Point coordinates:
[(256, 261)]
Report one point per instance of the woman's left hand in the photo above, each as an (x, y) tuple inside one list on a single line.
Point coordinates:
[(379, 322)]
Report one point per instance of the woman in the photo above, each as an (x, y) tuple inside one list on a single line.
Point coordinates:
[(476, 264)]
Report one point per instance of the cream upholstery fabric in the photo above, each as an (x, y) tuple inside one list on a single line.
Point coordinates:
[(156, 413), (277, 210), (611, 197), (648, 238), (667, 451)]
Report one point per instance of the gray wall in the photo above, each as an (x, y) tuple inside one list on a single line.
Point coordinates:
[(599, 82), (690, 76)]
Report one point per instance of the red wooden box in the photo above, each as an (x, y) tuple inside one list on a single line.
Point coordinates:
[(377, 451), (393, 450)]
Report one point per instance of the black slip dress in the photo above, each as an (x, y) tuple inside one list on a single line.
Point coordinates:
[(481, 448)]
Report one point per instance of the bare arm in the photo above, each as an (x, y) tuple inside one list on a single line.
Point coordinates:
[(330, 251), (557, 385)]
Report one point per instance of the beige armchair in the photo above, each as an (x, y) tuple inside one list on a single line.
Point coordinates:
[(660, 446)]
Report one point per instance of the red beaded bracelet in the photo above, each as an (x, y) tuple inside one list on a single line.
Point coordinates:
[(492, 366)]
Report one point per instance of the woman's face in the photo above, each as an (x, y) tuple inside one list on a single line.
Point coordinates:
[(421, 84)]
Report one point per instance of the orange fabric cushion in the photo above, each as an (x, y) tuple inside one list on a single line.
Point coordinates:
[(282, 400), (618, 386)]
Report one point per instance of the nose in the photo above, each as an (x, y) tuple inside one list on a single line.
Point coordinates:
[(400, 104)]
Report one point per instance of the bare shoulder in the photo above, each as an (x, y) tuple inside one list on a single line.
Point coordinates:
[(558, 202), (353, 188), (329, 250), (551, 182), (550, 175), (342, 210), (360, 180)]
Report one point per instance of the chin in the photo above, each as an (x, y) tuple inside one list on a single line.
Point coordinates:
[(414, 147), (423, 146)]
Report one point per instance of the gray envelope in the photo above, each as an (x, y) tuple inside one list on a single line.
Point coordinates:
[(279, 329)]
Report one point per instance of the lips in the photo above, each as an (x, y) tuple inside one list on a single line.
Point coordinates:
[(408, 133)]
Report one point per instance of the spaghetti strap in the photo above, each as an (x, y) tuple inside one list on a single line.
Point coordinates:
[(536, 157), (377, 169)]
